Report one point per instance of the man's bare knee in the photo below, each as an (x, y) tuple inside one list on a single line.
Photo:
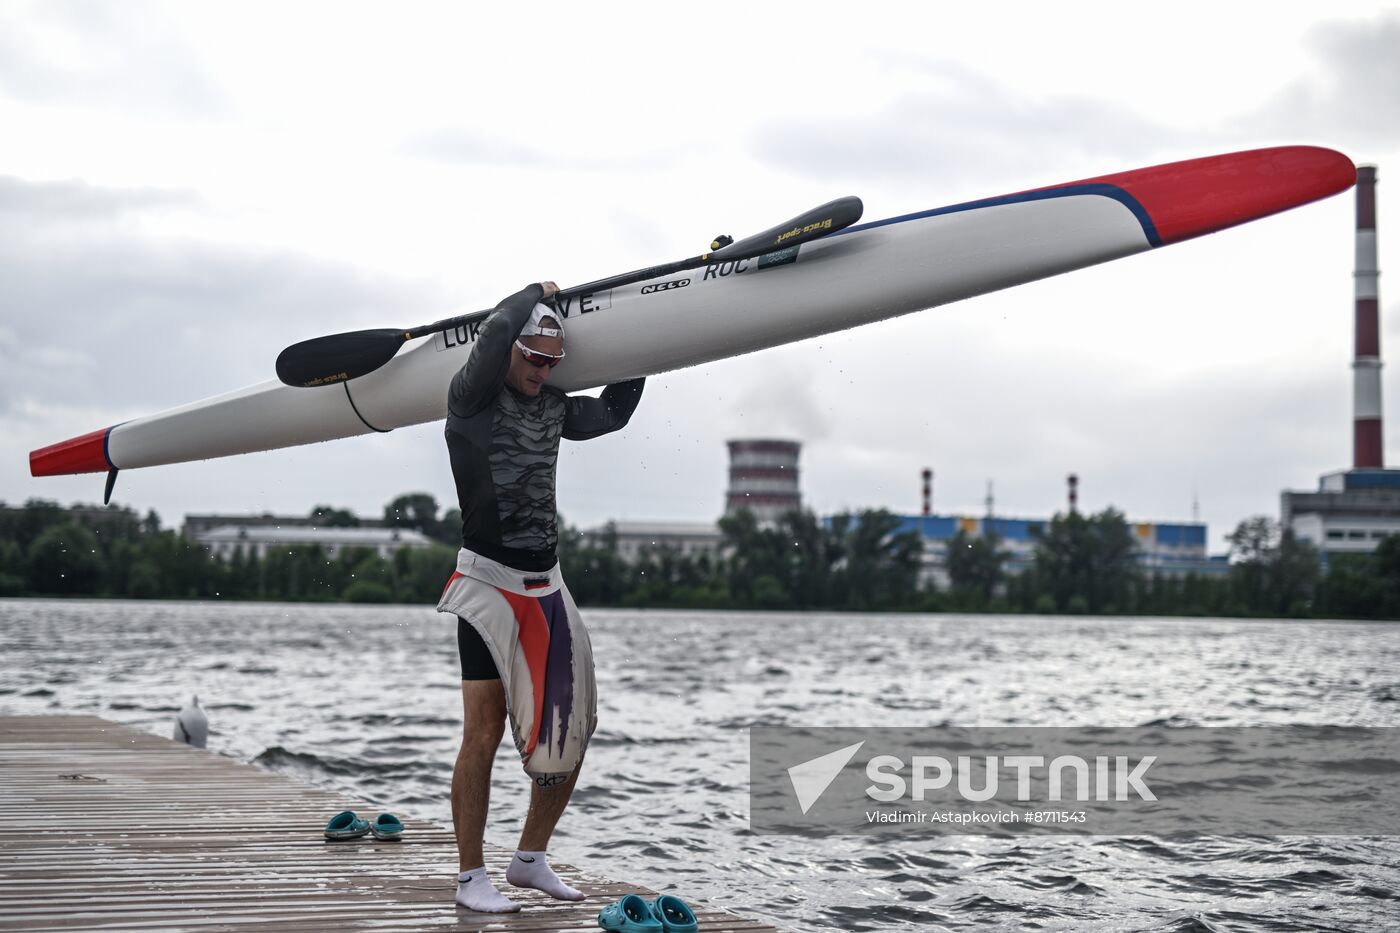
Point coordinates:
[(483, 712)]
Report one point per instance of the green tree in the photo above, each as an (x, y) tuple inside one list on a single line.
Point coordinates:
[(874, 566), (368, 591), (1090, 558), (768, 593), (11, 569), (1115, 562), (975, 568), (1201, 596), (298, 573), (1293, 576), (807, 559), (328, 516), (1063, 555), (143, 580), (368, 566), (591, 563), (1386, 560), (1252, 545), (242, 579), (186, 570), (421, 573), (1350, 588), (116, 566), (37, 516), (450, 528), (1271, 571), (64, 561), (417, 510), (755, 553)]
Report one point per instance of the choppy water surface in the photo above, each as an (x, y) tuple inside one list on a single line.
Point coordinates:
[(367, 700)]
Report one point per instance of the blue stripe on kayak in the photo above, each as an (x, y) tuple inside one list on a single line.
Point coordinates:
[(1149, 229), (107, 445)]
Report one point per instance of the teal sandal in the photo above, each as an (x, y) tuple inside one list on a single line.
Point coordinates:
[(674, 914), (387, 826), (346, 825), (629, 914)]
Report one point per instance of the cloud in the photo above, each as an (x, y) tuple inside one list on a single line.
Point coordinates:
[(450, 145), (30, 206), (95, 54), (783, 400), (94, 310), (472, 148), (1354, 90), (1023, 422), (956, 124)]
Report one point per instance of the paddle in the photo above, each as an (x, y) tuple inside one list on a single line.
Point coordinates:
[(340, 357)]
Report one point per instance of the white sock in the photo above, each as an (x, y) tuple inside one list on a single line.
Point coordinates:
[(530, 870), (476, 892)]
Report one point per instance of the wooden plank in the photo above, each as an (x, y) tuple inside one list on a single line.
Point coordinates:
[(108, 828)]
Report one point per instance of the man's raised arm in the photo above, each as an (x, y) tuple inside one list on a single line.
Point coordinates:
[(587, 417), (482, 375)]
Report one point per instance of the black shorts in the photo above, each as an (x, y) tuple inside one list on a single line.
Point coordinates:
[(477, 663)]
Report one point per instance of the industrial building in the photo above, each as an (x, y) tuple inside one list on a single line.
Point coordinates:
[(635, 538), (1169, 549), (1164, 548), (200, 524), (257, 541), (1353, 510), (763, 478)]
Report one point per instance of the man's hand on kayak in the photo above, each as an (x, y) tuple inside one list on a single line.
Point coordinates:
[(550, 290)]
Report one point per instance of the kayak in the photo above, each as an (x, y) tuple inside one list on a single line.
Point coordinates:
[(863, 273)]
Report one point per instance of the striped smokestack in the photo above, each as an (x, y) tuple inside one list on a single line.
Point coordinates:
[(763, 478), (928, 492), (1367, 447)]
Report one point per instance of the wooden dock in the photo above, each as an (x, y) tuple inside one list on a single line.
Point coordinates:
[(103, 827)]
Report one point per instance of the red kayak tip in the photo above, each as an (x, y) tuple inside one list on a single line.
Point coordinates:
[(1199, 196), (85, 454)]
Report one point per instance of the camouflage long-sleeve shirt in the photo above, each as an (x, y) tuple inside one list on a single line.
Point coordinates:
[(505, 446)]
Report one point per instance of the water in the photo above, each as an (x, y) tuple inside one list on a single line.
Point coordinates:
[(367, 700)]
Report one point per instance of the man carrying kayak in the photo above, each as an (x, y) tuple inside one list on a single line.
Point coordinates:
[(524, 651)]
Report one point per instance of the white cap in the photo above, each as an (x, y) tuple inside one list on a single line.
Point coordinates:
[(533, 328)]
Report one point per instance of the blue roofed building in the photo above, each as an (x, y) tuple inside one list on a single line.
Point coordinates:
[(1168, 549)]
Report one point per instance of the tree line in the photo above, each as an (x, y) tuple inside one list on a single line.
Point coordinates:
[(853, 562), (857, 561), (1087, 564), (47, 550)]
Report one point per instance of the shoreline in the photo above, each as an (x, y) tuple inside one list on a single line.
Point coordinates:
[(789, 613)]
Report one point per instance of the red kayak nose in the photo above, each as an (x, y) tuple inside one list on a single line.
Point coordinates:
[(1199, 196), (85, 454)]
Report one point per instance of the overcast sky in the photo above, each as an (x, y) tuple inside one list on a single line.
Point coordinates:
[(186, 188)]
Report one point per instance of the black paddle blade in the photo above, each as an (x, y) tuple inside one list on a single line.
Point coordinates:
[(816, 223), (337, 358)]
